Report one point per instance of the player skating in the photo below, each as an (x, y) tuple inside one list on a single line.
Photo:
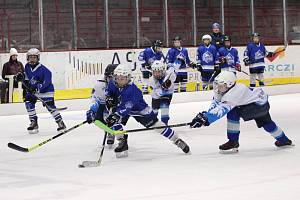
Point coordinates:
[(238, 101), (162, 84), (131, 103), (100, 108), (38, 83)]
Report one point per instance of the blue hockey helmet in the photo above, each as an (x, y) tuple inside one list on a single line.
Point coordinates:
[(216, 26)]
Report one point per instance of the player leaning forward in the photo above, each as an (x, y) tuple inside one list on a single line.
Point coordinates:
[(131, 103), (38, 80), (238, 101)]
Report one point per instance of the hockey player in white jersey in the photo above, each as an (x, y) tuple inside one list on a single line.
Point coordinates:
[(100, 105), (238, 101), (162, 84)]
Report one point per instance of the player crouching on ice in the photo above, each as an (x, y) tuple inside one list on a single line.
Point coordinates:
[(131, 103), (162, 84), (238, 101), (38, 82), (100, 108)]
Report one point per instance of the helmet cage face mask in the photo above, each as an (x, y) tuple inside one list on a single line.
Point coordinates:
[(121, 80), (158, 74), (220, 88)]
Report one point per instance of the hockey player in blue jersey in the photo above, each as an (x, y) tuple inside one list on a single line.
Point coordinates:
[(217, 36), (207, 60), (131, 103), (162, 84), (178, 58), (38, 80), (101, 106), (254, 57), (238, 101), (229, 57), (148, 56)]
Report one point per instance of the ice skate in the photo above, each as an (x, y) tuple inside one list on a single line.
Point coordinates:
[(61, 126), (182, 145), (110, 140), (229, 147), (286, 144), (33, 127), (122, 149)]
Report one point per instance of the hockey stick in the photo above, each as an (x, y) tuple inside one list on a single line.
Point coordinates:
[(111, 131), (41, 100), (29, 149), (98, 162), (209, 81)]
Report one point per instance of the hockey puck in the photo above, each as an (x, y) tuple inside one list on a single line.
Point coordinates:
[(81, 166)]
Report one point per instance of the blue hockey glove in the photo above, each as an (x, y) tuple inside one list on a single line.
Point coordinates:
[(90, 116), (199, 121), (111, 102)]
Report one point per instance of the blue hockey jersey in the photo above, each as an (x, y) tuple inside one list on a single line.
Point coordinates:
[(256, 55), (41, 78), (231, 55), (207, 57), (148, 56), (130, 98), (180, 54)]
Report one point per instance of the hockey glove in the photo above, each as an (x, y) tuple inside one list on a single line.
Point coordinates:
[(20, 76), (199, 67), (112, 119), (217, 69), (111, 102), (199, 121), (148, 66), (270, 54), (222, 59), (90, 116), (165, 85), (193, 65), (238, 67), (246, 61)]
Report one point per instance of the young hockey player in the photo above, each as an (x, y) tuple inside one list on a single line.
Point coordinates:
[(238, 101), (131, 103), (38, 80), (254, 57), (229, 57), (162, 84), (101, 106), (148, 56), (178, 58), (217, 36), (207, 59)]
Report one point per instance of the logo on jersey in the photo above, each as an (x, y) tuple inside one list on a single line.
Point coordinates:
[(259, 55), (207, 57), (230, 59)]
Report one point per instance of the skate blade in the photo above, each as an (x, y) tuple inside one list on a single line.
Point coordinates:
[(35, 131), (61, 131), (286, 146), (122, 154), (230, 151), (89, 164)]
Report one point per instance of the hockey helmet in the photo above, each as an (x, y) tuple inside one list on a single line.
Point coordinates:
[(224, 81), (206, 37), (33, 52)]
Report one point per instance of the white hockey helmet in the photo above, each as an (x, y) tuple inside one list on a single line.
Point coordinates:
[(158, 65), (206, 37), (33, 52), (13, 52), (224, 81), (158, 69), (122, 75)]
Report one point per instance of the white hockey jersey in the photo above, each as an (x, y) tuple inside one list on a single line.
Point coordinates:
[(98, 93), (155, 84), (237, 96)]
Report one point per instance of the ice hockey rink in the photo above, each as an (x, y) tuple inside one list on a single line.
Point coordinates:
[(155, 168)]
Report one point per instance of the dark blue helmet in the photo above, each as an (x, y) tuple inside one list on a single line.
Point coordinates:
[(215, 26), (255, 34)]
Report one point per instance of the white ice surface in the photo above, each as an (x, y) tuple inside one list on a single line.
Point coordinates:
[(155, 168)]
